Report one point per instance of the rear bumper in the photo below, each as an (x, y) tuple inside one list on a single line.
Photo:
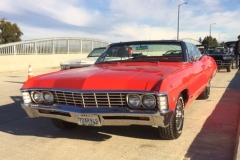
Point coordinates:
[(106, 116)]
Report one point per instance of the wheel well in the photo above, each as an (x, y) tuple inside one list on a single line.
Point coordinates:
[(185, 95)]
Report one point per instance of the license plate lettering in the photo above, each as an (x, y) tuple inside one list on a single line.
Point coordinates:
[(88, 121)]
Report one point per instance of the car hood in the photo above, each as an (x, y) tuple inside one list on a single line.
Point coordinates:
[(113, 77), (78, 60), (88, 60)]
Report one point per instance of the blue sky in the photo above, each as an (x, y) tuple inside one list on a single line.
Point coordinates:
[(124, 20)]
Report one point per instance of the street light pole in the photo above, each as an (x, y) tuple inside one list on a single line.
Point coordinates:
[(210, 33), (178, 18), (211, 28)]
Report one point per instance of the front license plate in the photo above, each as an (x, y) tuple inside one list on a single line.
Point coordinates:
[(88, 120)]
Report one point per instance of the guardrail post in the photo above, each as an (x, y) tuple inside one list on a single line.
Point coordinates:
[(81, 46), (92, 44), (68, 46), (53, 49), (35, 48), (14, 49)]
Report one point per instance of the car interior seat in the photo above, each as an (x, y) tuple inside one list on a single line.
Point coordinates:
[(121, 52)]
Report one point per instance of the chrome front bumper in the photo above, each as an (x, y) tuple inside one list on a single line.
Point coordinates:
[(106, 116)]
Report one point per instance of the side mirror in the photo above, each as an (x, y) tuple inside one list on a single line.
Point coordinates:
[(193, 59)]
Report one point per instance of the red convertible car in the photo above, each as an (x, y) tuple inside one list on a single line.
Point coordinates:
[(132, 83)]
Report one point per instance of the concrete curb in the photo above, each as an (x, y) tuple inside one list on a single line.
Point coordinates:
[(237, 147)]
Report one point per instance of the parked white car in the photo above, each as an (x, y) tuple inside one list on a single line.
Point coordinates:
[(78, 63)]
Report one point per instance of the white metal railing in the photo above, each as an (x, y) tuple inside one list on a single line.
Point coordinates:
[(51, 46)]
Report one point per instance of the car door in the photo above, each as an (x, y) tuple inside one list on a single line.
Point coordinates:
[(198, 69)]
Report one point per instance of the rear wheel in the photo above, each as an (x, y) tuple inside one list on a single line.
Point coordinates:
[(228, 68), (174, 129), (63, 124), (205, 94)]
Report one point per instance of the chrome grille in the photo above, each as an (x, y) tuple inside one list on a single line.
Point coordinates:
[(90, 100)]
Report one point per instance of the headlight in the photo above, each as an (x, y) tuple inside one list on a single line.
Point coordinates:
[(36, 96), (47, 97), (163, 102), (148, 101), (134, 100), (26, 97), (63, 67)]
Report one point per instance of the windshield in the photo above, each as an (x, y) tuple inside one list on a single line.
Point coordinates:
[(96, 52), (218, 50), (230, 44), (170, 52)]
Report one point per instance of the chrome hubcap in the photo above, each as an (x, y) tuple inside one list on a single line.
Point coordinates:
[(179, 115)]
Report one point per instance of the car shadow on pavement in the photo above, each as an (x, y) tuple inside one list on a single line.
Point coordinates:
[(14, 120), (14, 82), (218, 137)]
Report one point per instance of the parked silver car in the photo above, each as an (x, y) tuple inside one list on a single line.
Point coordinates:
[(88, 61)]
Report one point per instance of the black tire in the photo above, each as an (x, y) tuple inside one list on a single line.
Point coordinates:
[(63, 124), (228, 68), (174, 129), (233, 63), (205, 94)]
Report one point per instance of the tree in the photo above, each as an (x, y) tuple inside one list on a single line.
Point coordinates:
[(200, 40), (9, 32), (209, 41), (222, 44)]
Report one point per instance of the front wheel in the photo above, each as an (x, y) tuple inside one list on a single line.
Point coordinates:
[(174, 129)]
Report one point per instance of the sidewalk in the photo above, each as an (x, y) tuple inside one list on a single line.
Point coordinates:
[(237, 148), (237, 151)]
